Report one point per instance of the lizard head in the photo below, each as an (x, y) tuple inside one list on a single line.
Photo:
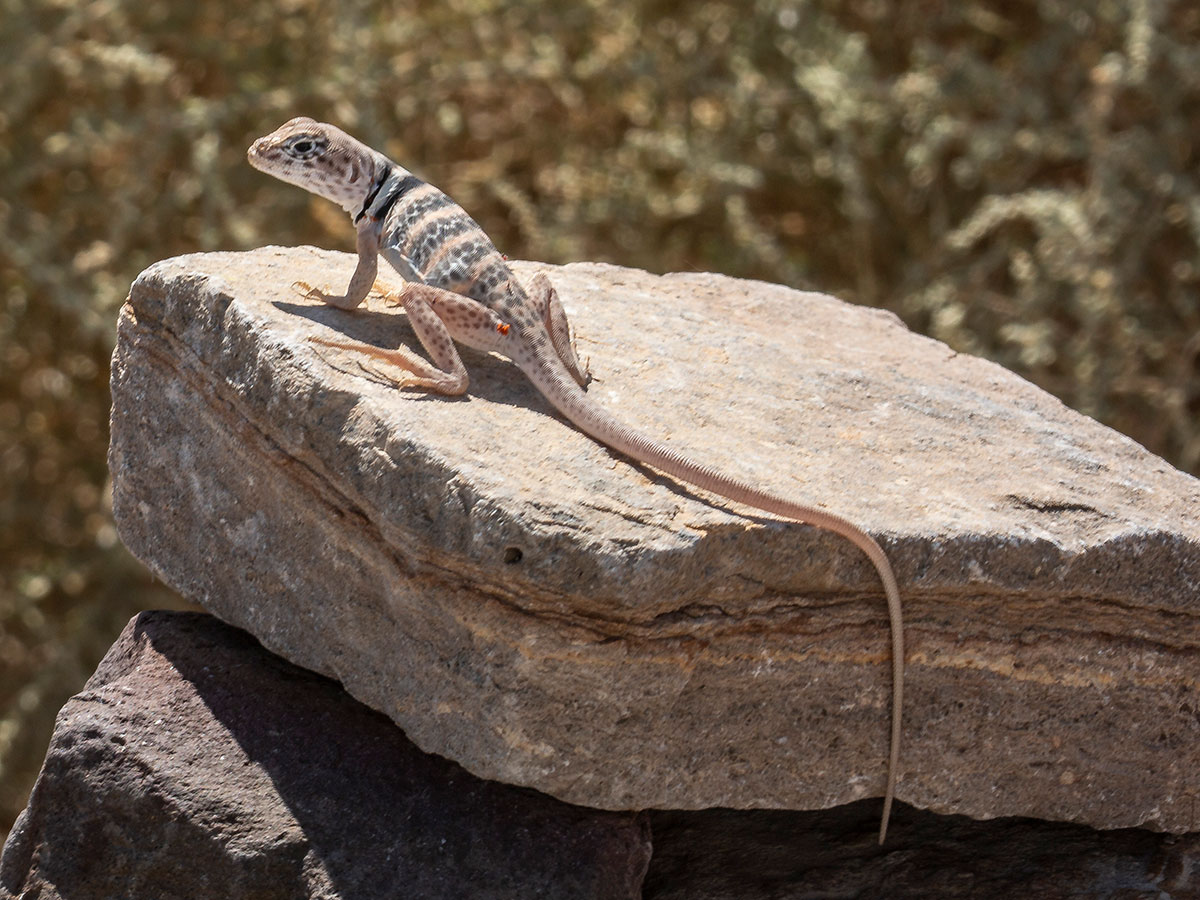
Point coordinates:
[(320, 158)]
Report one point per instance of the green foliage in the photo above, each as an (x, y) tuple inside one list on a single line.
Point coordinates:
[(1017, 180)]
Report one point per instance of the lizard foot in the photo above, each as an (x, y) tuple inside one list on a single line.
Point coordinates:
[(421, 374), (340, 301)]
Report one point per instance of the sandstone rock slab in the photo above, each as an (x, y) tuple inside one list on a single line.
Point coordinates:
[(521, 600), (194, 764)]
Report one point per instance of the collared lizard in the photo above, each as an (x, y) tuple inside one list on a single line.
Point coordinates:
[(460, 288)]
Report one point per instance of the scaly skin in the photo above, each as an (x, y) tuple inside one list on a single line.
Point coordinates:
[(460, 288)]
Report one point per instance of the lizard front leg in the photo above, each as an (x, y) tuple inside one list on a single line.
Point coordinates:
[(361, 282), (439, 317)]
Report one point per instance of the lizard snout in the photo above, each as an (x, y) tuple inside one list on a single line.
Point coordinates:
[(254, 151)]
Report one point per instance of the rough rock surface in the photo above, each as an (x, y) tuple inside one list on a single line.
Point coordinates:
[(194, 764), (521, 600)]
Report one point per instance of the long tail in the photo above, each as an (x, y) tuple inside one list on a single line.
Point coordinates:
[(595, 421)]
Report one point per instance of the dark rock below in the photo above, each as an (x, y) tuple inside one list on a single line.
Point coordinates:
[(832, 854), (194, 764)]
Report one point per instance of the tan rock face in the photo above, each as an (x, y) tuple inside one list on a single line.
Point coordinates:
[(521, 600)]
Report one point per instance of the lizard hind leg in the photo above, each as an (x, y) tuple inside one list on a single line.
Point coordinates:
[(545, 298), (446, 374), (422, 373)]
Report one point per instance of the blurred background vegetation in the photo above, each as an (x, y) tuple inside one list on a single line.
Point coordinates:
[(1017, 179)]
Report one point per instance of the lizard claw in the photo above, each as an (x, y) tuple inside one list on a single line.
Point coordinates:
[(309, 292)]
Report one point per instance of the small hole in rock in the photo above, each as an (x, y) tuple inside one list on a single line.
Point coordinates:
[(512, 555)]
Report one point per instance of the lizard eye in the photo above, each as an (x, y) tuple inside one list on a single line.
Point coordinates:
[(305, 146)]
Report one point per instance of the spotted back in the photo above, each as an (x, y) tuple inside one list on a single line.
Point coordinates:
[(445, 247)]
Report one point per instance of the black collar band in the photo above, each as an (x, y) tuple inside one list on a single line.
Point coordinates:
[(397, 187), (371, 196), (385, 194)]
